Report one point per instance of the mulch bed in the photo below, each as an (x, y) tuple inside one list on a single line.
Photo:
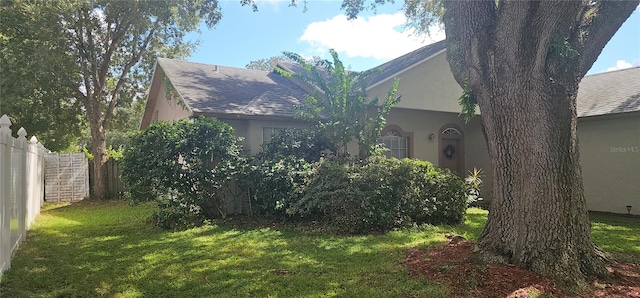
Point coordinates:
[(449, 264)]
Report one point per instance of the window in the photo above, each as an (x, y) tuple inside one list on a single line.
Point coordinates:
[(267, 133), (397, 144), (451, 131)]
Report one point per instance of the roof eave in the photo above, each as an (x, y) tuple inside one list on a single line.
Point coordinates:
[(394, 75)]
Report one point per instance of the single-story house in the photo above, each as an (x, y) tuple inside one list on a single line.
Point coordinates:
[(425, 124)]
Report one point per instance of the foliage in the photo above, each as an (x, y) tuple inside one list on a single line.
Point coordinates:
[(280, 167), (38, 74), (339, 105), (308, 144), (116, 43), (379, 194), (100, 52), (423, 15), (271, 63), (266, 64), (272, 182), (473, 182), (468, 102), (182, 166)]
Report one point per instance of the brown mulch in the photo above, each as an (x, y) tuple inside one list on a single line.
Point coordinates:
[(449, 264)]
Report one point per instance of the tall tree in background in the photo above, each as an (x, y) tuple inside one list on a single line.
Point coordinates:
[(112, 46), (38, 74), (115, 43), (522, 62), (267, 64), (270, 64)]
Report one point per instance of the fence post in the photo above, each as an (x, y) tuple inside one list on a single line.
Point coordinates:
[(34, 183), (5, 172), (22, 196)]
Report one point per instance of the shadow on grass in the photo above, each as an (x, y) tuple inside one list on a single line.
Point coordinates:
[(618, 234), (108, 249), (89, 250)]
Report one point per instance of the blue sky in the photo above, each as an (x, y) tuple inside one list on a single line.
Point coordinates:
[(374, 38)]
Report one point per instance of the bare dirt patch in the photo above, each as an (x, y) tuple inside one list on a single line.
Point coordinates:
[(449, 264)]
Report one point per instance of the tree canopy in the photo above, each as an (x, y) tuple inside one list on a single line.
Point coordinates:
[(98, 56), (38, 74)]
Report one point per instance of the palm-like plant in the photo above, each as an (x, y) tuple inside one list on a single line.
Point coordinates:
[(337, 102)]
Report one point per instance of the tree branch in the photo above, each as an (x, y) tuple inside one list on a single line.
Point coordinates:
[(125, 71), (84, 66), (597, 26), (118, 34), (467, 35), (91, 57)]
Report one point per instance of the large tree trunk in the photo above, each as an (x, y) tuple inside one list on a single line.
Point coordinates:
[(523, 60), (538, 217), (99, 152)]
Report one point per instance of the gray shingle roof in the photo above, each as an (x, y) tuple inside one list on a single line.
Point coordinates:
[(212, 89), (405, 61), (609, 93)]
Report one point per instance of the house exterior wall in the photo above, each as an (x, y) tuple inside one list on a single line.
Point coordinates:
[(428, 86), (610, 159), (421, 124), (159, 108), (255, 129)]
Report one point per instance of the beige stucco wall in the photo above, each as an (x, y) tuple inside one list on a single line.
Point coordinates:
[(423, 123), (159, 108), (610, 158), (428, 86), (254, 128), (429, 101)]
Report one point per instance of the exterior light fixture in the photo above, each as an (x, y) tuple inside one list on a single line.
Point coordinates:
[(431, 137), (629, 209)]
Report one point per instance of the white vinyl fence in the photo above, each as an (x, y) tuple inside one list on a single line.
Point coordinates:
[(22, 169)]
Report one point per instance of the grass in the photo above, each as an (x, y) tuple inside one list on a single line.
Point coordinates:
[(107, 249), (617, 234)]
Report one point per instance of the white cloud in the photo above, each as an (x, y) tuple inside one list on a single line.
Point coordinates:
[(621, 64), (380, 36)]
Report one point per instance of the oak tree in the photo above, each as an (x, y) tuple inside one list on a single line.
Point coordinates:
[(523, 61), (109, 48), (37, 74)]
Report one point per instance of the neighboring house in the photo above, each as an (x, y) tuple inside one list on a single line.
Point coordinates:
[(608, 107), (425, 124)]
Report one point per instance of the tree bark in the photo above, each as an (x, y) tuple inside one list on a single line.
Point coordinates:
[(538, 217), (99, 152), (523, 60)]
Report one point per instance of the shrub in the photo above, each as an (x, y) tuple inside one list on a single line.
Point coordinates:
[(280, 168), (307, 144), (271, 184), (379, 194), (183, 166)]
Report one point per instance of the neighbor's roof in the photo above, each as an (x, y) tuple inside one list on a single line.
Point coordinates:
[(404, 62), (609, 93), (215, 89)]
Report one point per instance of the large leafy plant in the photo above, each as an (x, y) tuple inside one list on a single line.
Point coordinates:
[(185, 166), (338, 103)]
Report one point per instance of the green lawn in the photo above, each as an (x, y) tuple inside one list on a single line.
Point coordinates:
[(107, 249)]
